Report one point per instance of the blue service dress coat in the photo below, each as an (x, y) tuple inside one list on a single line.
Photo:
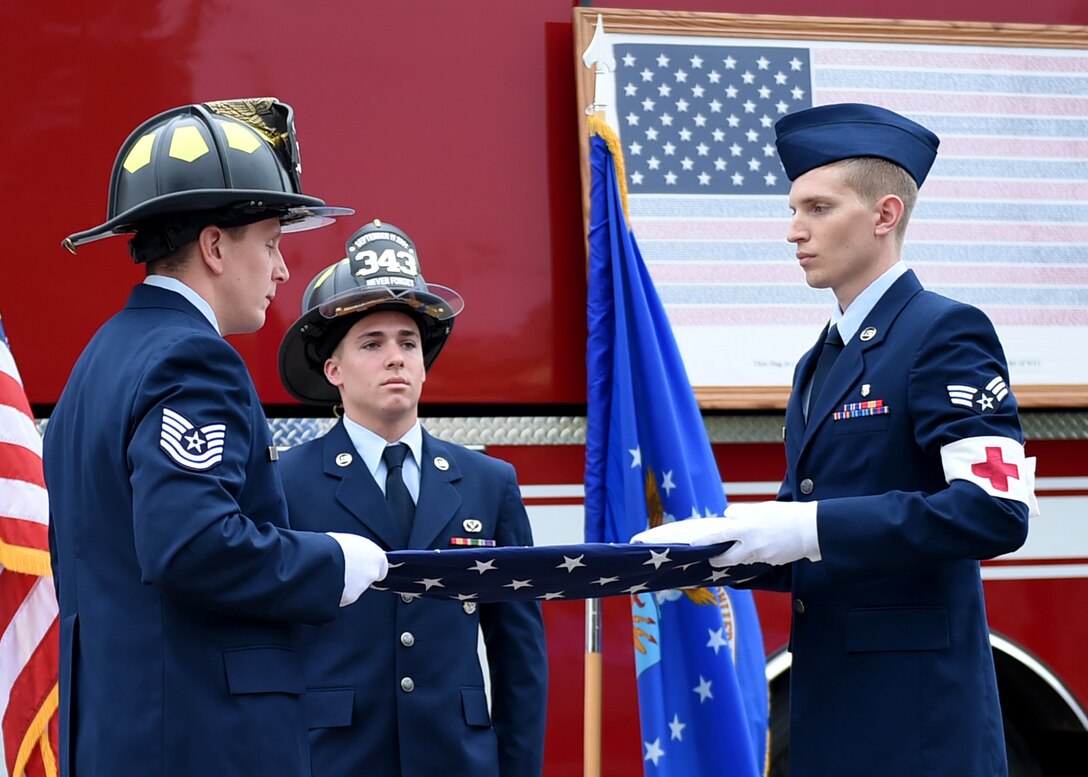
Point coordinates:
[(175, 569), (395, 684), (892, 671)]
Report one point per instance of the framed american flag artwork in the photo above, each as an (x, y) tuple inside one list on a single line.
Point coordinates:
[(1001, 221)]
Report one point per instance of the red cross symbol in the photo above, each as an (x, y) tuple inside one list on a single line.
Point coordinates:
[(996, 469)]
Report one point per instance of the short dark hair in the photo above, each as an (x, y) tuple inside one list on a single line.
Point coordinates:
[(176, 260)]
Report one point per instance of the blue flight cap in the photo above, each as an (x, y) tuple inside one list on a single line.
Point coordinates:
[(828, 133)]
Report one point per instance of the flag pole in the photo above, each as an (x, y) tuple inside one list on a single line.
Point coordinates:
[(598, 57), (591, 751)]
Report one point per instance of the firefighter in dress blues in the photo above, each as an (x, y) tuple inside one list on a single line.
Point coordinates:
[(176, 572), (903, 470), (395, 684)]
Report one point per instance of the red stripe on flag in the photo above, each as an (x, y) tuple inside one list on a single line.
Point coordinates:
[(13, 395), (787, 272), (964, 103), (19, 463), (24, 534), (997, 232), (951, 231), (713, 229), (816, 315), (13, 590), (29, 694), (937, 187), (28, 607), (947, 58), (1007, 146)]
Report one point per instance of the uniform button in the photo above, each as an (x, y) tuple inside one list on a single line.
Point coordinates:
[(407, 684), (798, 606), (806, 486), (406, 598), (407, 639)]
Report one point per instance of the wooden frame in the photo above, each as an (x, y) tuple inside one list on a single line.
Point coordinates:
[(801, 28)]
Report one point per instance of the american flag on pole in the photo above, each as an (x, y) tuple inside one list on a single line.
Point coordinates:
[(28, 604), (1000, 223)]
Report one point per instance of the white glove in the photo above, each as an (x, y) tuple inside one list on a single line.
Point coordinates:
[(691, 531), (364, 563), (773, 533)]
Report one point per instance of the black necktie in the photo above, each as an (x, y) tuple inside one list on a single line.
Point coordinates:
[(828, 354), (396, 493)]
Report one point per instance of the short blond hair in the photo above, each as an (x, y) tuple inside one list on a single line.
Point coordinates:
[(872, 178)]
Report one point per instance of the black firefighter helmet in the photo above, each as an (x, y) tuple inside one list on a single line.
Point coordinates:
[(380, 272), (229, 163)]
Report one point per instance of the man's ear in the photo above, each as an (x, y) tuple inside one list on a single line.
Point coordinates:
[(211, 242), (332, 372), (889, 212)]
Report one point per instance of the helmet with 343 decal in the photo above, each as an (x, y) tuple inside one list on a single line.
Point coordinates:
[(380, 272), (228, 163)]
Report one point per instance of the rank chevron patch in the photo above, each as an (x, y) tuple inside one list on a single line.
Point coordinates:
[(984, 400), (191, 447)]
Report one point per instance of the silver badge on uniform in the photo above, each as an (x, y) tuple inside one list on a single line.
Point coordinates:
[(868, 334), (865, 389), (470, 607), (343, 459), (473, 525), (192, 447), (441, 463)]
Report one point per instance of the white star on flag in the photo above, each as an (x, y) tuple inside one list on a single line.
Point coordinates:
[(657, 559), (717, 640), (703, 689), (570, 564), (700, 122), (677, 728), (589, 570), (653, 751)]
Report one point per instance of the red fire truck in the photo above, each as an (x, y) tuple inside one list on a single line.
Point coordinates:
[(458, 122)]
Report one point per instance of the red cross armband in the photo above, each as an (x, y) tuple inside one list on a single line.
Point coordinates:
[(997, 465)]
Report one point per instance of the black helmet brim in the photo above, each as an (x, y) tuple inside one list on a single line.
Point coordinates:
[(431, 300), (297, 212)]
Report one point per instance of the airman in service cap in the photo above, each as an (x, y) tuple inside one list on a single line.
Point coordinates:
[(829, 133)]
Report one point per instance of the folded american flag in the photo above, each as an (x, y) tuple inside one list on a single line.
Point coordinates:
[(546, 572)]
